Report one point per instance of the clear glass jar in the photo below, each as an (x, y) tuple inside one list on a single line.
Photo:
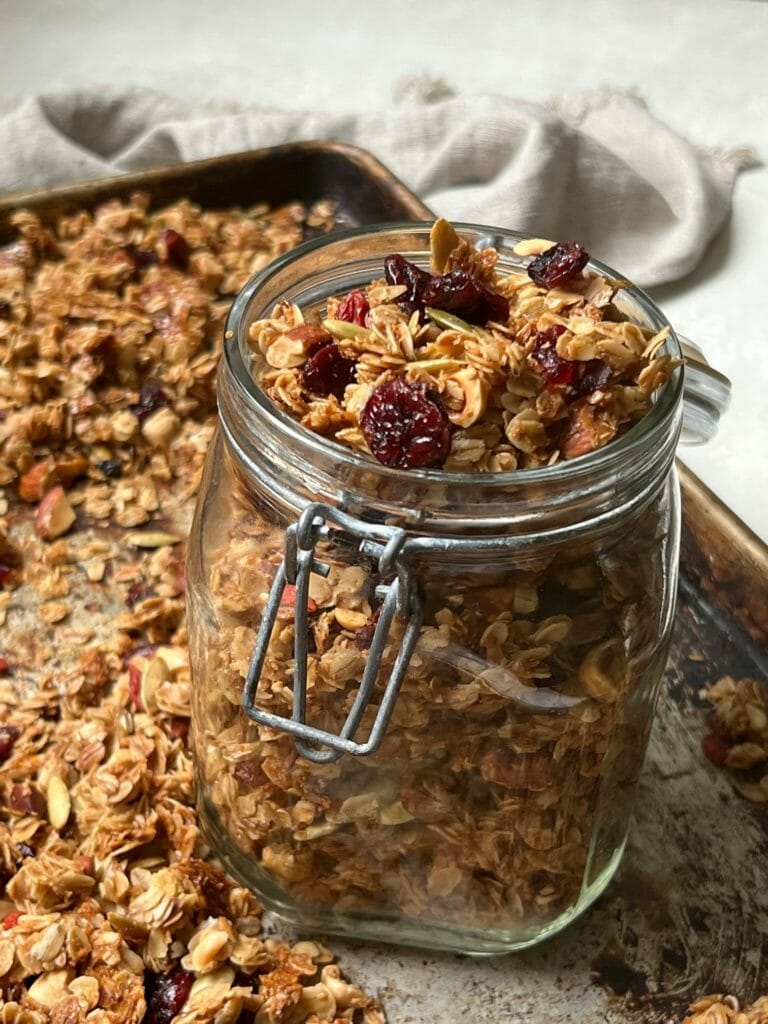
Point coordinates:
[(524, 620)]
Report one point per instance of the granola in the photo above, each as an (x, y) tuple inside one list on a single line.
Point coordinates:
[(536, 373), (499, 800), (110, 329), (739, 736)]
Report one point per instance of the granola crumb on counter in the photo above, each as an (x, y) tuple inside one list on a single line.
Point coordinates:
[(111, 909)]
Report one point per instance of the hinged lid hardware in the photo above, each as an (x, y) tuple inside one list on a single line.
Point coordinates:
[(400, 597)]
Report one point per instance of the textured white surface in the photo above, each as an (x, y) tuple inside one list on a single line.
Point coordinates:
[(700, 65)]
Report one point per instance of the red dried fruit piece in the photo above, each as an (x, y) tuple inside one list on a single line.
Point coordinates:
[(250, 774), (715, 748), (11, 920), (141, 258), (8, 736), (327, 371), (594, 375), (583, 377), (167, 994), (5, 573), (405, 425), (288, 600), (467, 297), (151, 398), (555, 371), (173, 249), (4, 666), (556, 266), (179, 727), (398, 270), (134, 686), (354, 308)]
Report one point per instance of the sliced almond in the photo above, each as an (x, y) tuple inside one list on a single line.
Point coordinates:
[(532, 246), (442, 241), (54, 515), (153, 676), (151, 539), (50, 989), (95, 570), (175, 658), (58, 802), (347, 618)]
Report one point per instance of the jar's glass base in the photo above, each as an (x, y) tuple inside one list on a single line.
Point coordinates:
[(377, 926)]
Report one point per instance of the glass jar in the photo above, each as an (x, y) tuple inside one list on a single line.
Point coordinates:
[(421, 699)]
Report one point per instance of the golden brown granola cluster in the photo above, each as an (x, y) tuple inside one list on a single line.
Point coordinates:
[(110, 329), (739, 736), (547, 373), (722, 1009)]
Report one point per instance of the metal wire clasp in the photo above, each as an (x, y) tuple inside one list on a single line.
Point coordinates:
[(400, 597)]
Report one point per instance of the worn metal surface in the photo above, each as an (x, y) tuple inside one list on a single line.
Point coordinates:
[(688, 911)]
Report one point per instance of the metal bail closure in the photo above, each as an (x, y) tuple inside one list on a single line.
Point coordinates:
[(400, 597)]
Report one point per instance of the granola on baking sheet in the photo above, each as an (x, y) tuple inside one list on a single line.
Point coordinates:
[(512, 370), (738, 739), (110, 328)]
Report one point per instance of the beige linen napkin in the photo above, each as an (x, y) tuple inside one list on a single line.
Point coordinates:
[(601, 169)]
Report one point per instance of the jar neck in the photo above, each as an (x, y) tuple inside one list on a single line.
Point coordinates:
[(275, 454)]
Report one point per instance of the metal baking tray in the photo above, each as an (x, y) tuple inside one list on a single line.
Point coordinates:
[(687, 913)]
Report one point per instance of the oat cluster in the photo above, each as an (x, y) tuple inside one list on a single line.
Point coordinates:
[(722, 1009), (531, 375), (739, 736), (111, 910)]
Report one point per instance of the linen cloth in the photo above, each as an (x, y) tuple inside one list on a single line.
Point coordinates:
[(599, 168)]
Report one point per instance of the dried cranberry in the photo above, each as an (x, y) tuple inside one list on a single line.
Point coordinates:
[(250, 774), (583, 377), (5, 666), (166, 995), (5, 572), (134, 686), (558, 265), (288, 600), (715, 747), (11, 920), (460, 293), (5, 310), (151, 398), (364, 635), (8, 736), (354, 308), (595, 374), (398, 270), (136, 593), (179, 727), (141, 258), (111, 468), (405, 425), (174, 249), (327, 371), (555, 371)]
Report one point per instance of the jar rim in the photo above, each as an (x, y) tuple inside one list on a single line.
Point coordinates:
[(664, 405)]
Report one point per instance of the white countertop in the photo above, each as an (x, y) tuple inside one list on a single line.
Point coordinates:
[(700, 65)]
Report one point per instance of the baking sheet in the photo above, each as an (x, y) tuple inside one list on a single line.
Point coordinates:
[(688, 910)]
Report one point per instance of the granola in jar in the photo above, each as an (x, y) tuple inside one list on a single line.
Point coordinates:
[(449, 411)]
